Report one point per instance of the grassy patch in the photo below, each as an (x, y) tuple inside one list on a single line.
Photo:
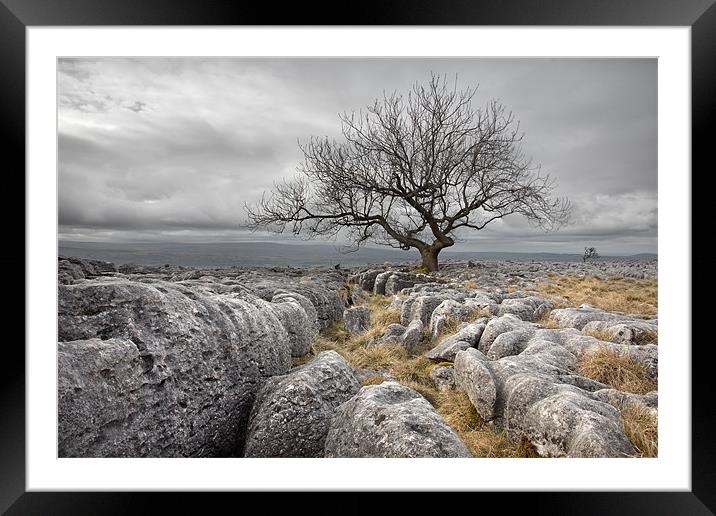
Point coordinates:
[(381, 316), (449, 328), (616, 369), (480, 438), (599, 334), (451, 325), (646, 337), (471, 284), (546, 322), (628, 295), (374, 380), (642, 429), (412, 371)]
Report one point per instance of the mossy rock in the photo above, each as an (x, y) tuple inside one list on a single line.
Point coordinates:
[(430, 367)]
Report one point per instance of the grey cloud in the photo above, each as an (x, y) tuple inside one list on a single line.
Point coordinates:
[(137, 107), (172, 148)]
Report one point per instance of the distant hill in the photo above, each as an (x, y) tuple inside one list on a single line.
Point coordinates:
[(226, 254)]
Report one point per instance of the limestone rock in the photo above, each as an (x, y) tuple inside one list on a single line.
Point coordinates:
[(158, 370), (391, 420), (448, 310), (579, 317), (413, 335), (634, 332), (366, 280), (523, 377), (393, 335), (291, 415), (465, 338), (400, 280), (356, 319), (300, 319), (379, 283), (474, 378), (443, 377), (560, 420)]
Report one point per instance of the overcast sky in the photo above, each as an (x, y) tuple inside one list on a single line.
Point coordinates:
[(169, 149)]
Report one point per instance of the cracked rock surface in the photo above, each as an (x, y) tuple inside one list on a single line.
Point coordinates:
[(292, 412), (159, 362), (391, 420), (169, 361)]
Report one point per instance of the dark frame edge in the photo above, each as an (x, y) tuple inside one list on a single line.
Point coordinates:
[(703, 111), (702, 498), (12, 392)]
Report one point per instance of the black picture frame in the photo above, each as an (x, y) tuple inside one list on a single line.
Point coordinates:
[(17, 15)]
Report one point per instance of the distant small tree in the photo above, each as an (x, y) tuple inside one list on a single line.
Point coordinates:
[(590, 252), (410, 172)]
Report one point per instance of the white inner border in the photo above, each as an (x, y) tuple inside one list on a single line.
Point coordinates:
[(670, 471)]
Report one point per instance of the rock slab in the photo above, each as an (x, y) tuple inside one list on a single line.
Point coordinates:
[(391, 420), (155, 369), (292, 412)]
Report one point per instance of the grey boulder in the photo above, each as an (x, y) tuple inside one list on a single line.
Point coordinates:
[(579, 317), (443, 377), (560, 420), (292, 412), (527, 383), (356, 319), (421, 306), (413, 335), (465, 338), (393, 335), (154, 369), (448, 310), (391, 420), (300, 319), (366, 280)]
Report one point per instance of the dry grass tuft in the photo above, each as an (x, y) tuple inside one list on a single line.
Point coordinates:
[(412, 371), (546, 322), (449, 328), (471, 284), (480, 438), (642, 429), (433, 365), (380, 315), (599, 334), (477, 313), (297, 361), (373, 380), (628, 295), (616, 369), (451, 325), (647, 337), (421, 269)]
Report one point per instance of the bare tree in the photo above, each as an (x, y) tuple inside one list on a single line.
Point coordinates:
[(411, 172), (590, 252)]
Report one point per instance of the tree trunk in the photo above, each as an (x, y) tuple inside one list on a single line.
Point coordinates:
[(430, 258)]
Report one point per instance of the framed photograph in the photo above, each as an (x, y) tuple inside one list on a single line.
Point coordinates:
[(435, 249)]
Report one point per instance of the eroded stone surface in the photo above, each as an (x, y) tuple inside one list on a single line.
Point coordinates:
[(292, 412), (466, 337), (391, 420), (524, 378), (189, 382), (166, 361), (163, 360), (356, 319), (443, 377)]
